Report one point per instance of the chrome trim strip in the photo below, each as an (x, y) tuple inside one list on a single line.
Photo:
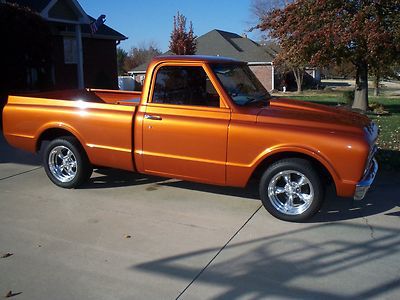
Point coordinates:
[(21, 135), (103, 147), (179, 157)]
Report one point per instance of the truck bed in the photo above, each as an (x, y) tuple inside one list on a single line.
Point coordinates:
[(131, 98), (102, 120)]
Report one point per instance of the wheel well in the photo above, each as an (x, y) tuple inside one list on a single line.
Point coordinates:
[(51, 134), (319, 167)]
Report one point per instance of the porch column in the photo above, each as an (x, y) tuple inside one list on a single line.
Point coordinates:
[(273, 78), (79, 49)]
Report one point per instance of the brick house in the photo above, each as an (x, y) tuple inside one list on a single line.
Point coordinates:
[(228, 44), (223, 43), (80, 59)]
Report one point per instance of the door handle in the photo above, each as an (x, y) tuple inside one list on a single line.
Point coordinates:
[(151, 117)]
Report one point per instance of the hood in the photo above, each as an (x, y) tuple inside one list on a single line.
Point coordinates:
[(306, 114)]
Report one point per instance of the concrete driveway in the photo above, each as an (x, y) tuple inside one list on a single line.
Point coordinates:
[(127, 236)]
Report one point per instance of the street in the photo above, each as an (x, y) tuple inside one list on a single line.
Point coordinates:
[(130, 236)]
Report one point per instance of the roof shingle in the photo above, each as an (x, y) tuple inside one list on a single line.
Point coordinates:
[(228, 44), (35, 5), (223, 43), (103, 32)]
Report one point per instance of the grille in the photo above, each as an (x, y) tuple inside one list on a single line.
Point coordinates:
[(371, 155), (372, 128)]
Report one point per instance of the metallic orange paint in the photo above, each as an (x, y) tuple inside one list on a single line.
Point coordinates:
[(221, 146), (104, 130)]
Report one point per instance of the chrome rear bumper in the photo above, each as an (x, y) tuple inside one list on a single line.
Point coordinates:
[(363, 186)]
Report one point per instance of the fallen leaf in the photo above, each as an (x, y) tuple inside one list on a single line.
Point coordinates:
[(12, 294), (7, 255)]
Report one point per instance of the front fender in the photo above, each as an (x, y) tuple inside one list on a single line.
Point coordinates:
[(307, 151), (239, 175)]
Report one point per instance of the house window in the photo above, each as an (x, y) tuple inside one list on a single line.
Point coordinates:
[(70, 51)]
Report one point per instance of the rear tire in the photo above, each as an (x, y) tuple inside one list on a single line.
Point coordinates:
[(66, 163), (291, 190)]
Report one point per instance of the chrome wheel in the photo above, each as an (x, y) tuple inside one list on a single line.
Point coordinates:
[(62, 163), (290, 192)]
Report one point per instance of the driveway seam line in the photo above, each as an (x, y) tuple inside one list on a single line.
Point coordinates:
[(7, 177), (219, 251)]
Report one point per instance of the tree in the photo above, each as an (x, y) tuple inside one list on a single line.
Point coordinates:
[(288, 59), (260, 8), (344, 70), (122, 55), (320, 32), (182, 42), (141, 54), (380, 70)]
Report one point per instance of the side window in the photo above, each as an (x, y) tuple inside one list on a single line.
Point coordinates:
[(184, 86)]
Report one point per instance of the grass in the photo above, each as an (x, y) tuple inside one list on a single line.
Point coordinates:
[(389, 124)]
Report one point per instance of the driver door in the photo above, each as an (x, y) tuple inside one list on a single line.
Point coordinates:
[(185, 128)]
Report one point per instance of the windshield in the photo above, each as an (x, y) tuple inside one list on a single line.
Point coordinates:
[(240, 83)]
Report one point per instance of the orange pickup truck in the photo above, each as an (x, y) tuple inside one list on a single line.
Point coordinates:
[(205, 119)]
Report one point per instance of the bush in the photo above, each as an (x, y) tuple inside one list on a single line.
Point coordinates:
[(378, 108), (348, 97)]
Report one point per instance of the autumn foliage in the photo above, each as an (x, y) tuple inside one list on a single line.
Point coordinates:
[(183, 41), (320, 32), (143, 53)]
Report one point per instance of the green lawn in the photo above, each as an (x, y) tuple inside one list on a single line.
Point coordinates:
[(389, 138)]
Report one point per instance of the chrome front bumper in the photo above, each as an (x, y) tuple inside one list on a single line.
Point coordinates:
[(363, 186)]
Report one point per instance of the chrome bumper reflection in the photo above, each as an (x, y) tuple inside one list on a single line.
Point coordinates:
[(365, 183)]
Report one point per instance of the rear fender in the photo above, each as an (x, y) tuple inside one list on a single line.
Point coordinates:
[(58, 125)]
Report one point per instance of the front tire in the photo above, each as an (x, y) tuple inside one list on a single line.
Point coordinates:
[(291, 190), (66, 163)]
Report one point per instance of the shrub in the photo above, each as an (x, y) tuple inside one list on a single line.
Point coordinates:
[(348, 97)]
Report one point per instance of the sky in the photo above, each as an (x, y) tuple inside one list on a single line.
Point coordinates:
[(152, 21)]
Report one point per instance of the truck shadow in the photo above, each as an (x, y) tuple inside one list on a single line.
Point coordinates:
[(321, 257), (381, 198), (105, 178), (10, 154)]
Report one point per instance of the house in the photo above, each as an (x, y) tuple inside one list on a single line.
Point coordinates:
[(81, 58), (228, 44), (223, 43), (312, 75)]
